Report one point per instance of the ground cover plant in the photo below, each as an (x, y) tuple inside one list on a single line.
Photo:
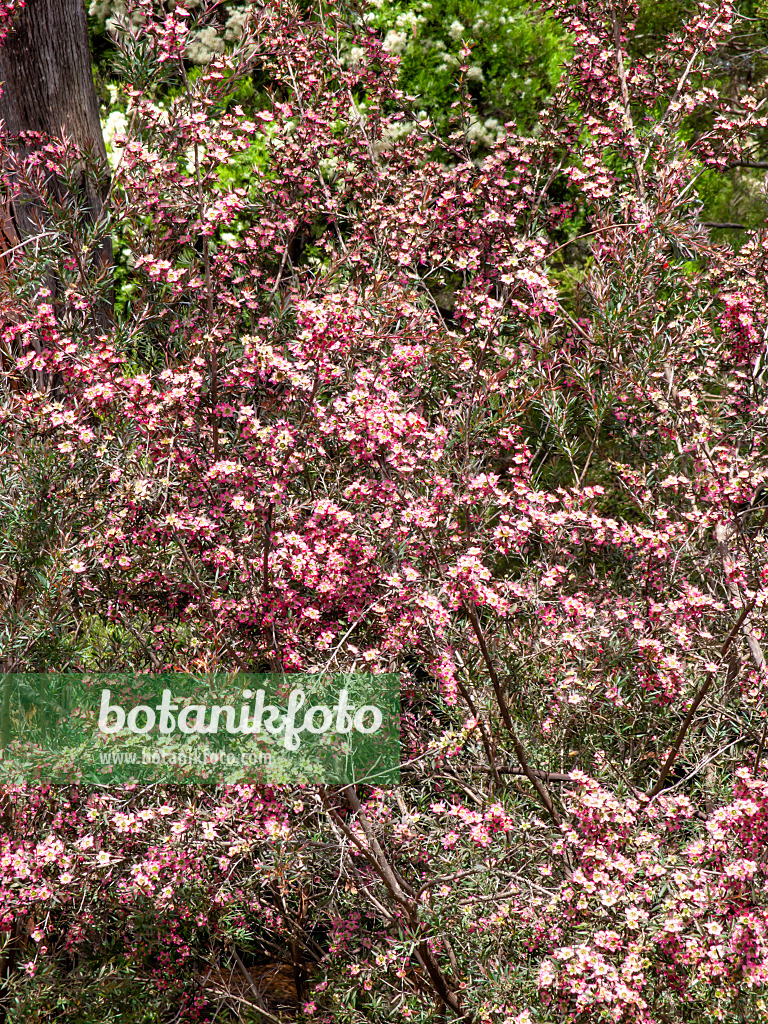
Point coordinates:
[(376, 394)]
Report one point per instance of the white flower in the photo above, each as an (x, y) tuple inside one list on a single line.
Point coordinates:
[(203, 45), (455, 30), (329, 167), (475, 74), (634, 917), (391, 135), (235, 26), (547, 974), (408, 20), (394, 42), (100, 10), (190, 155), (115, 124)]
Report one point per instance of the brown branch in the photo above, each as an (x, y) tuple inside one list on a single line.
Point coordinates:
[(204, 595), (721, 536), (672, 756), (630, 124), (544, 776), (760, 747), (384, 871), (153, 659), (279, 277), (507, 719), (373, 842), (436, 976), (400, 891), (259, 1002), (724, 224), (213, 359), (483, 734)]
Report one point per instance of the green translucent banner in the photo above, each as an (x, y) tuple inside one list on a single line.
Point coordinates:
[(115, 728)]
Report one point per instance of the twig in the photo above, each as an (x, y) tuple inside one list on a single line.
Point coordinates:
[(279, 277), (672, 756), (544, 776), (700, 766), (150, 653), (259, 1004), (724, 224), (506, 718), (203, 594), (637, 159)]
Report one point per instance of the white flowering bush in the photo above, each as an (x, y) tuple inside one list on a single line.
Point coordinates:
[(204, 43), (516, 53)]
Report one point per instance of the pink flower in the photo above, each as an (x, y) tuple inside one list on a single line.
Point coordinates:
[(449, 840)]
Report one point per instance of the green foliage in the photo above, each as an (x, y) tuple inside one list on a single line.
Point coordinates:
[(516, 52), (38, 519)]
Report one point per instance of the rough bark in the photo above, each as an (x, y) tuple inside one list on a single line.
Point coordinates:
[(45, 68), (47, 87)]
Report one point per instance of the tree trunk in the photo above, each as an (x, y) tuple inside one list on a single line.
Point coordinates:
[(47, 87)]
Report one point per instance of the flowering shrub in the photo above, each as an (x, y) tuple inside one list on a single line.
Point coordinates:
[(515, 56), (540, 499)]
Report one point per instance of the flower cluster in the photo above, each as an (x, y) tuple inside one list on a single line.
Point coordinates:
[(494, 422)]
